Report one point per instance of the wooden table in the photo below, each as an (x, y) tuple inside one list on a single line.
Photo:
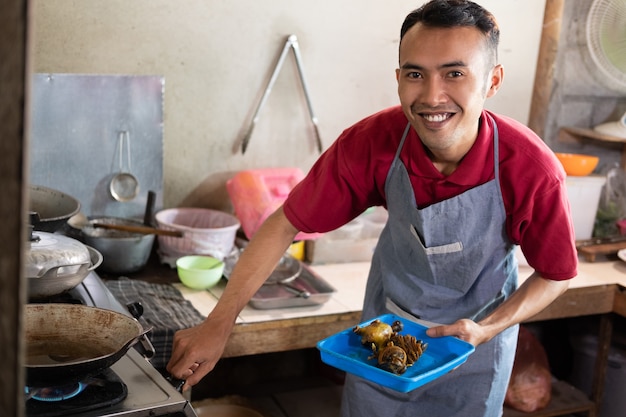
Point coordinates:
[(599, 289)]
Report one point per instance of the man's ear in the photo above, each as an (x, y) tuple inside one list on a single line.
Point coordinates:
[(496, 77)]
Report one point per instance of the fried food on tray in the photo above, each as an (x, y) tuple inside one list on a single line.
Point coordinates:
[(413, 347), (394, 352), (393, 359), (377, 332)]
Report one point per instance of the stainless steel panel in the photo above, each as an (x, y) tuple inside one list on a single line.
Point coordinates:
[(74, 143)]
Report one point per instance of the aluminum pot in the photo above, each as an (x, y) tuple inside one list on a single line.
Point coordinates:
[(50, 209), (68, 343), (56, 264), (122, 251)]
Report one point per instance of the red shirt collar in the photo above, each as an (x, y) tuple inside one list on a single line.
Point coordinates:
[(476, 167)]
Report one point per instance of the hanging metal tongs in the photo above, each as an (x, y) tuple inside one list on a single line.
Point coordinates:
[(292, 43)]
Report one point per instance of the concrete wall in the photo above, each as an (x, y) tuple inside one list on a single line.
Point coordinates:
[(581, 96), (217, 56)]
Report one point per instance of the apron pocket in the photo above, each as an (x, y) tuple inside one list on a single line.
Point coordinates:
[(437, 250), (447, 264), (443, 249)]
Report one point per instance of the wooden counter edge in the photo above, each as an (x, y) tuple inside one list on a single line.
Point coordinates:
[(619, 302), (288, 334), (576, 302), (305, 332)]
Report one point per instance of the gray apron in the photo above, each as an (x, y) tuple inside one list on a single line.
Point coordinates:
[(445, 262)]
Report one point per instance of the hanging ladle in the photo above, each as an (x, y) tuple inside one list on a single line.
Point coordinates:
[(288, 269), (124, 186)]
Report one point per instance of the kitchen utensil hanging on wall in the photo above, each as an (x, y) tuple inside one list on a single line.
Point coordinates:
[(291, 43), (124, 185)]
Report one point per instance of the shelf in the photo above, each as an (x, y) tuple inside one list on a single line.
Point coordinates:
[(565, 400), (590, 252), (577, 133)]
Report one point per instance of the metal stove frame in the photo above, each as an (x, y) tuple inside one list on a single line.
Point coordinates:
[(149, 393)]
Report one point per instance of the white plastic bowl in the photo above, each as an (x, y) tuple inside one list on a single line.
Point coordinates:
[(206, 232)]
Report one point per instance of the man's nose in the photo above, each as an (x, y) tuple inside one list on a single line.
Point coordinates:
[(433, 93)]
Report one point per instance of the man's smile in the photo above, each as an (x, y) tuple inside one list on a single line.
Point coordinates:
[(436, 117)]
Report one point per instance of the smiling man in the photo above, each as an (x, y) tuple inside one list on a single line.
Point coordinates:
[(462, 187), (443, 84)]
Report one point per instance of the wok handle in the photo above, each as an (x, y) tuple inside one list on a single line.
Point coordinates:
[(54, 271), (148, 217), (147, 348)]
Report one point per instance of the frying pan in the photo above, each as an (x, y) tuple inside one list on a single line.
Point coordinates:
[(67, 343)]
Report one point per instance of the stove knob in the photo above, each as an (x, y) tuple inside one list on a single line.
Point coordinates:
[(136, 309)]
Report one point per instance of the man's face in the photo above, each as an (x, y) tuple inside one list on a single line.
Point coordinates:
[(445, 75)]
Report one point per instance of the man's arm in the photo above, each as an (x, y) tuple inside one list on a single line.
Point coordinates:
[(535, 294), (196, 350)]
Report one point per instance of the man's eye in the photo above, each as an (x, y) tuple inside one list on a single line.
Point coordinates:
[(414, 75), (455, 74)]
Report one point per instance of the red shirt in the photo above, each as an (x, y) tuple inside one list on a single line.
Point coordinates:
[(350, 177)]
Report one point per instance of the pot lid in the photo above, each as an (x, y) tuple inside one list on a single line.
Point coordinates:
[(51, 250)]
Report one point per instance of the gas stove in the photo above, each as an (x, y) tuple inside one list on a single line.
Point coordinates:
[(132, 387)]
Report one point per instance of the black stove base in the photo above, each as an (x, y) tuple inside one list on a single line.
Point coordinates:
[(104, 390)]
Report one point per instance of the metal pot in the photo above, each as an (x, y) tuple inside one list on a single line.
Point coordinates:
[(123, 252), (56, 264), (50, 209), (68, 343)]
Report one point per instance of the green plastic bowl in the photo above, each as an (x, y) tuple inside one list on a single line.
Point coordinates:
[(199, 272)]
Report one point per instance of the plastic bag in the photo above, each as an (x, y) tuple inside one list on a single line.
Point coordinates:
[(530, 387), (612, 205)]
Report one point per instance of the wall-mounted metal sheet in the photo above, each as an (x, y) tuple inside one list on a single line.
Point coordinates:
[(75, 130)]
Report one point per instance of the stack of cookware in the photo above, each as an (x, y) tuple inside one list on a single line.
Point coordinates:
[(65, 342)]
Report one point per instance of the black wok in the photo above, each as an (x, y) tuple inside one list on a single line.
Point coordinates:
[(68, 343), (50, 209)]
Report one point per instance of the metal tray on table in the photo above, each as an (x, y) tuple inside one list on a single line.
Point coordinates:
[(277, 296)]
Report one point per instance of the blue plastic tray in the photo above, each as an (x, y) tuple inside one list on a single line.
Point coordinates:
[(345, 351)]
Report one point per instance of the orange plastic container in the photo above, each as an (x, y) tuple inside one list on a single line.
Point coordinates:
[(257, 193)]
